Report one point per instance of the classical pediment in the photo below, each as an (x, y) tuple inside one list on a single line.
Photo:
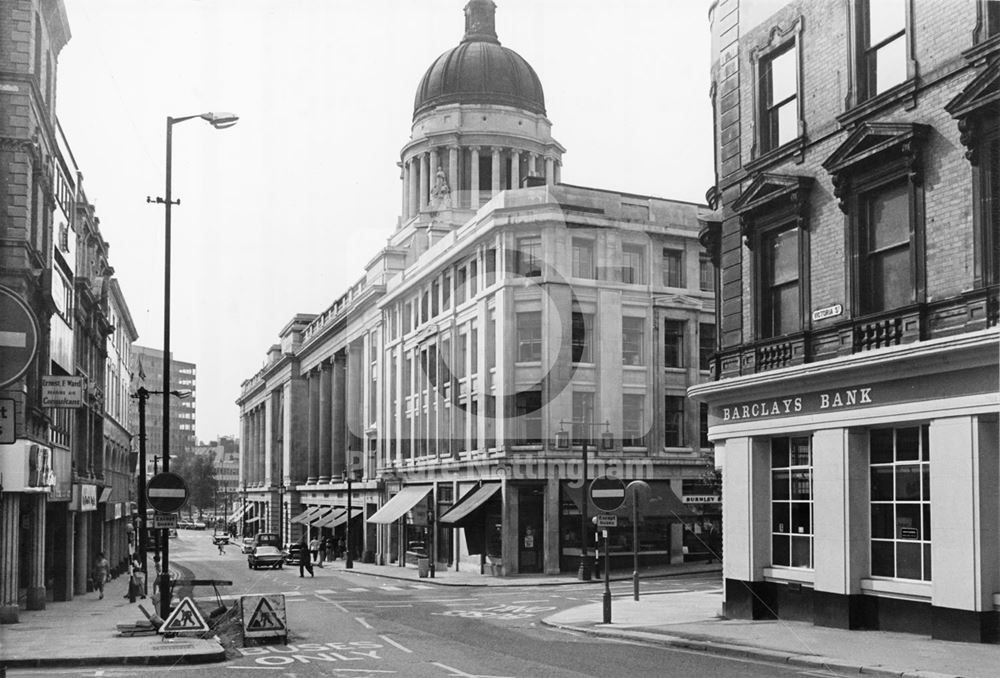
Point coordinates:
[(983, 91), (768, 191), (872, 139)]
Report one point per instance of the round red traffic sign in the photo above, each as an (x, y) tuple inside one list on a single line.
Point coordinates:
[(18, 336), (166, 492), (607, 493)]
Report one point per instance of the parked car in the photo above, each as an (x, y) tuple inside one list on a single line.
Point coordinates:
[(267, 556), (247, 545), (184, 524), (220, 539), (198, 525), (294, 553), (268, 539)]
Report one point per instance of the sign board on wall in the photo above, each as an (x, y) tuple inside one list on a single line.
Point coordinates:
[(84, 498), (26, 467), (62, 391)]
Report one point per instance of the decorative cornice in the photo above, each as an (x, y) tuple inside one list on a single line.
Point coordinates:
[(769, 193)]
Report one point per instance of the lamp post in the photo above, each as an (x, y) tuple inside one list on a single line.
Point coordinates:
[(585, 572), (348, 558), (219, 121)]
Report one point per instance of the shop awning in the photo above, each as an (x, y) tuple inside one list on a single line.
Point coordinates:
[(250, 521), (328, 519), (310, 515), (406, 499), (341, 517), (469, 503), (302, 516), (237, 514)]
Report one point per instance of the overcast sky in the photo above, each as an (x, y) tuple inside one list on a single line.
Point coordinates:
[(280, 213)]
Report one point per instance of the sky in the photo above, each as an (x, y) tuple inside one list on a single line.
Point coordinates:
[(280, 213)]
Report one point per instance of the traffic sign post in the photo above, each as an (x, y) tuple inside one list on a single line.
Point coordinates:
[(18, 336), (166, 492), (608, 494)]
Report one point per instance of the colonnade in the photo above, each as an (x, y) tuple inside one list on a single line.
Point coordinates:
[(464, 176), (254, 437), (335, 393)]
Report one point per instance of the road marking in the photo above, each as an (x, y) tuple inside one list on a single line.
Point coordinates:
[(525, 602), (463, 674), (292, 593), (332, 602), (256, 668), (387, 587), (361, 620), (396, 605), (358, 589), (325, 591), (422, 586), (396, 645)]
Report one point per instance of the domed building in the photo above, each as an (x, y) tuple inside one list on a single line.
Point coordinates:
[(438, 413)]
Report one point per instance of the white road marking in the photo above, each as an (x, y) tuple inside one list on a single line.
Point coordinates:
[(361, 620), (333, 602), (359, 589), (463, 674), (396, 645), (422, 586), (256, 668), (396, 605), (387, 587), (325, 591), (525, 602), (292, 593)]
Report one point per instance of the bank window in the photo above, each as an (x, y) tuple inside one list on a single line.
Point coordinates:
[(886, 275), (791, 502), (673, 268), (882, 41), (583, 337), (407, 317), (673, 421), (706, 345), (529, 337), (529, 257), (633, 420), (435, 296), (490, 266), (583, 258), (528, 408), (779, 107), (673, 343), (633, 338), (779, 280), (703, 440), (633, 270), (900, 502)]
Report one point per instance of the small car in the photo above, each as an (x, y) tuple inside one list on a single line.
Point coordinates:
[(294, 553), (198, 525), (267, 556), (220, 539), (247, 545)]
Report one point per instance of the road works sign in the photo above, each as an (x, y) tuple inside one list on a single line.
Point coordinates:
[(185, 618), (166, 492), (264, 616), (18, 336)]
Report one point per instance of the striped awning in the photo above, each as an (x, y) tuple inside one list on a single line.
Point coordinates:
[(469, 503), (329, 518), (237, 514), (302, 516), (405, 500), (341, 518)]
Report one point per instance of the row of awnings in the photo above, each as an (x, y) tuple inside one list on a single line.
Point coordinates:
[(326, 516), (412, 495)]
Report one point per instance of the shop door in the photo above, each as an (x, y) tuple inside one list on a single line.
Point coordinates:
[(530, 539)]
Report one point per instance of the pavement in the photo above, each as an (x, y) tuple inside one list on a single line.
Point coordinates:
[(86, 630)]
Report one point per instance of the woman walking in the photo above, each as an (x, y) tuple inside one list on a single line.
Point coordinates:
[(100, 574)]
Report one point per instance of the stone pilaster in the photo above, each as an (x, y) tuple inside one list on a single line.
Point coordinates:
[(36, 555), (550, 171), (495, 171), (10, 512), (339, 414), (313, 423), (515, 168), (414, 178), (453, 174), (474, 183), (325, 423), (425, 171)]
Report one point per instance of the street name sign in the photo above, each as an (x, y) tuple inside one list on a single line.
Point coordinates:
[(166, 492), (18, 336), (607, 493)]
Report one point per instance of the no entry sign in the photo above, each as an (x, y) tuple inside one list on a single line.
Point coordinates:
[(18, 336), (166, 492), (607, 493)]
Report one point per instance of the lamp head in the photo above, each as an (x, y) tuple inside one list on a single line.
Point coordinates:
[(220, 120)]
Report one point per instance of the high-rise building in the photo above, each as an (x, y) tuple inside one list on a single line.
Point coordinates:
[(147, 371)]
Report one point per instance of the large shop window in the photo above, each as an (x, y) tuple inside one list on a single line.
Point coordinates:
[(791, 502), (900, 503)]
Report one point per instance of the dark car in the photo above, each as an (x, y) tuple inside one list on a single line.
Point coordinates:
[(294, 553), (265, 556)]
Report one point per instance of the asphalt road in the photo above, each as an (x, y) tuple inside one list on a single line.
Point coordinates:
[(360, 626)]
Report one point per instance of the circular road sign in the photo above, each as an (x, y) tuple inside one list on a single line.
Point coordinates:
[(607, 493), (166, 492), (18, 336)]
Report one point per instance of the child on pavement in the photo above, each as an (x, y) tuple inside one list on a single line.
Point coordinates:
[(100, 573)]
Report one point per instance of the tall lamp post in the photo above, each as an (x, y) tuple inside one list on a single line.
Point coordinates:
[(219, 121), (585, 572)]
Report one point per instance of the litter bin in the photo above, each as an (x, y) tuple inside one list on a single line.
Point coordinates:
[(423, 567)]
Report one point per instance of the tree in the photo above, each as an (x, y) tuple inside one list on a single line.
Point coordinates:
[(198, 473)]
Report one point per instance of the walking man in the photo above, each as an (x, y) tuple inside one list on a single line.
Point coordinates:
[(100, 574), (304, 559), (314, 549)]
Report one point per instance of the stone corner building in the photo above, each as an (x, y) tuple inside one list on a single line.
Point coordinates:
[(505, 308), (855, 394)]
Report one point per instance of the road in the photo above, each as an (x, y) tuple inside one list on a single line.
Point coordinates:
[(360, 626)]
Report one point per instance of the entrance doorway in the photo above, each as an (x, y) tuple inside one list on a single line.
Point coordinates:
[(530, 532)]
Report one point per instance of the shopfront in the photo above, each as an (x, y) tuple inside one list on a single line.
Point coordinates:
[(862, 492)]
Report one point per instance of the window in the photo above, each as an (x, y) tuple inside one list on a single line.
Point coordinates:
[(791, 502), (992, 11), (703, 426), (706, 345), (633, 270), (989, 204), (673, 343), (473, 278), (885, 267), (673, 268), (883, 50), (461, 355), (673, 421), (583, 258), (633, 420), (900, 503), (491, 266), (424, 307), (460, 286), (529, 254), (779, 107), (706, 274), (529, 337), (633, 338), (407, 317), (435, 295), (446, 292), (779, 276), (583, 415), (583, 333), (528, 408)]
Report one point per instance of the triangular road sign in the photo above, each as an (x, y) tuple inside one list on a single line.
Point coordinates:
[(264, 618), (185, 617)]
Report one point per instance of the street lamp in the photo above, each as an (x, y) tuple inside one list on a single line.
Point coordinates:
[(219, 121), (563, 443)]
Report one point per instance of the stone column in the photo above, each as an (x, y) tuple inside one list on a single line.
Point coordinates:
[(261, 456), (515, 168), (313, 423), (424, 179), (81, 524), (474, 179), (354, 411), (432, 174), (36, 556), (413, 172), (325, 423), (453, 174), (532, 163), (496, 172), (558, 176), (10, 513), (339, 414), (550, 171), (405, 181)]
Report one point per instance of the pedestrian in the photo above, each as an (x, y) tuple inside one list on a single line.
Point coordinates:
[(322, 551), (330, 551), (100, 574), (304, 558), (222, 547), (341, 548), (314, 548)]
